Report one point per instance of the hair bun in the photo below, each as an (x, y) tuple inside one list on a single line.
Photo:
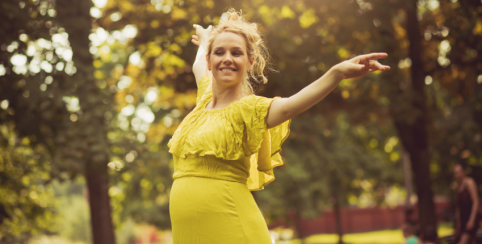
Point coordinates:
[(233, 15)]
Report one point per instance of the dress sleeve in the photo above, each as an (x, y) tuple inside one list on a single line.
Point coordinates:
[(262, 145), (202, 87)]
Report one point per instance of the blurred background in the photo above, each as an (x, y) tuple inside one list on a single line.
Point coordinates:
[(91, 92)]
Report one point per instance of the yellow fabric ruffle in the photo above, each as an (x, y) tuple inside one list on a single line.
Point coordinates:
[(232, 133)]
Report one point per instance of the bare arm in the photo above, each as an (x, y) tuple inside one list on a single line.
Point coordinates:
[(199, 68), (284, 109), (475, 199)]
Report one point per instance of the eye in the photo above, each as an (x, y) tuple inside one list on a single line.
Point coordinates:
[(218, 52)]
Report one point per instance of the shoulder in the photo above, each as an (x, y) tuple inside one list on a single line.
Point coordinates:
[(253, 97), (470, 182), (255, 100), (254, 105), (204, 81), (248, 101)]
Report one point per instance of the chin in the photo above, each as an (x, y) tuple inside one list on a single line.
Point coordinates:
[(228, 79)]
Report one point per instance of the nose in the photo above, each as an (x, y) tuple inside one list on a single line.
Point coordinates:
[(228, 59)]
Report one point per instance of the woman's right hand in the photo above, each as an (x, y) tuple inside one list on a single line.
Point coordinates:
[(360, 66), (202, 35)]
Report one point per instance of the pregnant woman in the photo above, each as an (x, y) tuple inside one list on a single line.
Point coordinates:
[(230, 143)]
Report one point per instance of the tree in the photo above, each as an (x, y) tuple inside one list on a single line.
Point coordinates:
[(26, 150), (414, 134), (75, 148), (75, 18)]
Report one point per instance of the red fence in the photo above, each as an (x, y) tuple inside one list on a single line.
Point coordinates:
[(360, 219)]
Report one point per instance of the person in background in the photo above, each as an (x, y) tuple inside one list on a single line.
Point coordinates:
[(409, 234), (467, 202), (429, 235), (411, 219)]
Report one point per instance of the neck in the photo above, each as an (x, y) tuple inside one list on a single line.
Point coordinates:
[(460, 180), (225, 95)]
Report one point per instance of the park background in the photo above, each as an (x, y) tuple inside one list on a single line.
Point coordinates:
[(90, 93)]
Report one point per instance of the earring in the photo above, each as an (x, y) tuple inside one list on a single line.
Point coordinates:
[(209, 68)]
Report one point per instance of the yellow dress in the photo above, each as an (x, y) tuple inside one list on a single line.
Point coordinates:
[(219, 156)]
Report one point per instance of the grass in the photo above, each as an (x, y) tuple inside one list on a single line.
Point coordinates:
[(374, 237)]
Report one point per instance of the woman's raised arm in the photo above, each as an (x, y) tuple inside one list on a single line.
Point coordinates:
[(286, 108), (199, 68)]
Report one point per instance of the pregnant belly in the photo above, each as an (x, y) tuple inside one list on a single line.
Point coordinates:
[(205, 210)]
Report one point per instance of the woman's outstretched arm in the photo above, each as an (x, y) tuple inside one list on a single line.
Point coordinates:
[(199, 68), (286, 108)]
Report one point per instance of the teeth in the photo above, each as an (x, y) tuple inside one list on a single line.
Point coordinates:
[(227, 69)]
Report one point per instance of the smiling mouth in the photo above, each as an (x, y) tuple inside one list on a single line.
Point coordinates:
[(228, 70)]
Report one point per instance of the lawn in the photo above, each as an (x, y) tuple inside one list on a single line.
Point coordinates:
[(374, 237)]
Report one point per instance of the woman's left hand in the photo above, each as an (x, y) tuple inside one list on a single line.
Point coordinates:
[(360, 66), (202, 35)]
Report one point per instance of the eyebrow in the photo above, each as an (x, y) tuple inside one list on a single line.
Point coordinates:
[(222, 48)]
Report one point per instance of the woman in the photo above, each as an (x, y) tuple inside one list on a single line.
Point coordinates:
[(230, 143), (467, 203)]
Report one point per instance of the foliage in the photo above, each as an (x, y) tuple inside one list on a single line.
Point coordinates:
[(342, 160), (25, 202)]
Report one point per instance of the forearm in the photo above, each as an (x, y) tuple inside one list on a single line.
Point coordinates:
[(199, 66), (472, 187), (473, 213), (312, 94), (286, 108)]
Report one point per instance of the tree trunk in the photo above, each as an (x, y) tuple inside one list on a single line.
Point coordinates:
[(100, 210), (74, 16), (337, 213), (414, 135), (298, 224), (407, 178)]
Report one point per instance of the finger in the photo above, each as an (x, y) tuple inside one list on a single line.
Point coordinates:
[(384, 68), (210, 27), (375, 65), (379, 66), (195, 37), (372, 56), (195, 42)]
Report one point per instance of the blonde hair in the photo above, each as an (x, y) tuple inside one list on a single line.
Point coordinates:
[(236, 23)]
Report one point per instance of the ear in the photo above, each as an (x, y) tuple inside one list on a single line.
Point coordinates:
[(251, 61)]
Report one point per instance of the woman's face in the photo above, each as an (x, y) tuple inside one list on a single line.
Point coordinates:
[(459, 172), (229, 60)]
